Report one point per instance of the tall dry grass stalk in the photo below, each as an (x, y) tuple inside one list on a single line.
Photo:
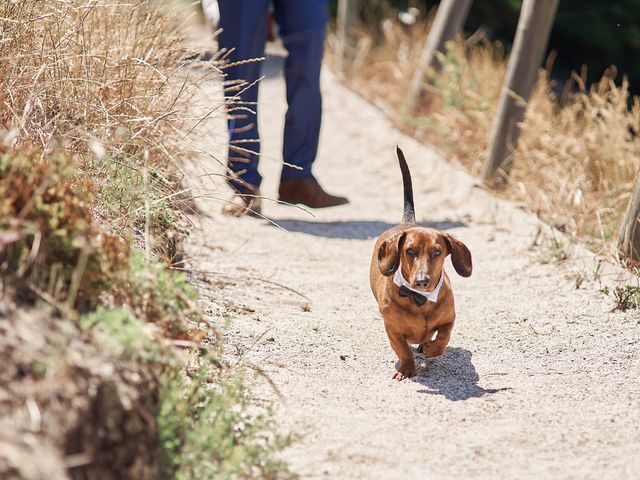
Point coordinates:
[(578, 158), (91, 94), (106, 82), (89, 71), (579, 152)]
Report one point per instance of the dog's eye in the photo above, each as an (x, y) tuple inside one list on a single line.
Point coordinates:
[(411, 252), (436, 253)]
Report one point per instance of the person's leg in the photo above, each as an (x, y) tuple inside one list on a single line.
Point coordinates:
[(244, 24), (302, 25)]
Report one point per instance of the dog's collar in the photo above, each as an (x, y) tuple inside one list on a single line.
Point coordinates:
[(419, 297)]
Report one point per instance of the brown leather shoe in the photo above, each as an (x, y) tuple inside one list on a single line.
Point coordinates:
[(239, 205), (308, 191)]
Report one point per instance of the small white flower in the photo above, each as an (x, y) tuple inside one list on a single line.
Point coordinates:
[(577, 197), (409, 17), (97, 149)]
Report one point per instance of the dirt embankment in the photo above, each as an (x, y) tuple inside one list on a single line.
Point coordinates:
[(69, 407)]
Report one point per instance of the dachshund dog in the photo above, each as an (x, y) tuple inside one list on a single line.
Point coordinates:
[(410, 285)]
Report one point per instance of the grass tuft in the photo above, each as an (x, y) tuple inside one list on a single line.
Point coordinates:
[(625, 297)]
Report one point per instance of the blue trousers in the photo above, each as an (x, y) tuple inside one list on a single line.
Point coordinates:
[(301, 26)]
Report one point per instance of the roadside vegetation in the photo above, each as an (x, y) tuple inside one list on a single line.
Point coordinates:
[(579, 152), (101, 340)]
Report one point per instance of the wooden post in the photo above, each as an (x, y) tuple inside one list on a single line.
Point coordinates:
[(629, 237), (347, 15), (449, 20), (532, 36)]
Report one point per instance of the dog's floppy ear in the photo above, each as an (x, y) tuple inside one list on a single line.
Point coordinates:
[(389, 254), (460, 255)]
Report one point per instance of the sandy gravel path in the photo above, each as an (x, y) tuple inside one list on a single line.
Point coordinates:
[(540, 379)]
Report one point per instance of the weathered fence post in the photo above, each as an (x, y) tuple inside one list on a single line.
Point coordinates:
[(629, 237), (449, 20), (347, 15), (532, 36)]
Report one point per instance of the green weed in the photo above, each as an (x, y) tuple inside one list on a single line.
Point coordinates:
[(625, 297), (421, 123), (449, 79), (164, 297), (124, 192), (209, 428), (119, 327)]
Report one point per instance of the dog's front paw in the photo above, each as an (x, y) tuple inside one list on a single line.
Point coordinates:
[(404, 371)]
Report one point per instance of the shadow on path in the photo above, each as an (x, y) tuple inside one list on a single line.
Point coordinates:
[(351, 229), (453, 376)]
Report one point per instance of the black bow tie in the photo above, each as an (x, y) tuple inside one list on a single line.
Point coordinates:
[(419, 299)]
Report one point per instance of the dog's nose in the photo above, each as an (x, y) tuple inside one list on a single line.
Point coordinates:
[(423, 281)]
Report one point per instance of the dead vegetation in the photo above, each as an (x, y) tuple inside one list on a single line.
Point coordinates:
[(579, 152), (103, 84)]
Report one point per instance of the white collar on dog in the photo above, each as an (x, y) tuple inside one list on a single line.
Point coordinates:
[(400, 281)]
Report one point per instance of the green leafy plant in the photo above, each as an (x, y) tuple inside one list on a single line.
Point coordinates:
[(209, 427), (119, 326), (449, 81), (51, 245), (161, 296)]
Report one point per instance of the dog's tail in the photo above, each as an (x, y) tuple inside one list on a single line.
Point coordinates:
[(408, 214)]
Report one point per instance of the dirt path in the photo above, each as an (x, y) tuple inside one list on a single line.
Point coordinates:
[(539, 380)]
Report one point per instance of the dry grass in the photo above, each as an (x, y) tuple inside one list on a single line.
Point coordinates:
[(89, 71), (577, 163), (95, 100), (103, 81), (578, 154)]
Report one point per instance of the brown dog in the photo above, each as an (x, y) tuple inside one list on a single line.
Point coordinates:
[(410, 285)]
